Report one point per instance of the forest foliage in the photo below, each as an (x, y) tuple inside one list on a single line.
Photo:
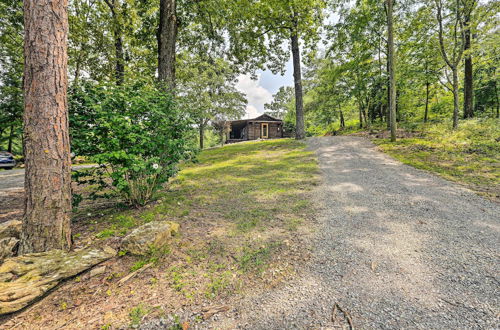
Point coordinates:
[(446, 59)]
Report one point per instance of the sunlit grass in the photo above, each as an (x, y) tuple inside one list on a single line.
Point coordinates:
[(240, 208), (469, 155)]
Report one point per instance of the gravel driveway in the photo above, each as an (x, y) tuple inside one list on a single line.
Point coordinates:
[(397, 248), (14, 179), (11, 180)]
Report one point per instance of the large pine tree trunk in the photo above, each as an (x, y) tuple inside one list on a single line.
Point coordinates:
[(468, 79), (46, 222), (297, 78), (390, 58), (167, 39)]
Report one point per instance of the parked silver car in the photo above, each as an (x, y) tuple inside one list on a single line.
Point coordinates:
[(7, 160)]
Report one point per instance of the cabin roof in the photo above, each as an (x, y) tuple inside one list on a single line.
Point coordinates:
[(264, 118)]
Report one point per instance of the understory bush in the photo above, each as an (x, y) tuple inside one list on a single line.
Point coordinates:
[(136, 135)]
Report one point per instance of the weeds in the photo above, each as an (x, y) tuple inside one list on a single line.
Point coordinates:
[(137, 313), (254, 258), (469, 155)]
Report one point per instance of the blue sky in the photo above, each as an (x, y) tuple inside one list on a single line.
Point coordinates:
[(261, 91)]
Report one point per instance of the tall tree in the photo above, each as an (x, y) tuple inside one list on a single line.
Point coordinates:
[(267, 28), (297, 79), (212, 95), (280, 105), (468, 6), (167, 39), (115, 7), (390, 62), (11, 71), (46, 222), (453, 57)]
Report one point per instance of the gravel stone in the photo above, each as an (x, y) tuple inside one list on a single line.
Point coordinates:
[(397, 248)]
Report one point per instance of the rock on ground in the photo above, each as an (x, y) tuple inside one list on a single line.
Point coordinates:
[(10, 228), (152, 235), (10, 232), (28, 277), (8, 247), (397, 248)]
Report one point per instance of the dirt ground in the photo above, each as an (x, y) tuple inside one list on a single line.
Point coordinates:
[(12, 203)]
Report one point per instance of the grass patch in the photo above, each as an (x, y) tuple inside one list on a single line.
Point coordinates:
[(137, 313), (244, 210), (469, 155), (254, 258)]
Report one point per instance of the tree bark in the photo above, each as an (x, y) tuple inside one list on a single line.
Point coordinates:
[(117, 35), (468, 79), (454, 61), (120, 59), (455, 97), (11, 137), (47, 213), (390, 59), (167, 39), (297, 77), (360, 117), (202, 134), (342, 121), (387, 110), (426, 113), (496, 98)]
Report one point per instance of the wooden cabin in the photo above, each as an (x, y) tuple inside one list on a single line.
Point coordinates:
[(262, 127)]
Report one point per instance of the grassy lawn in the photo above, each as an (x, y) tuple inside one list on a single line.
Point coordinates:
[(245, 214), (469, 155)]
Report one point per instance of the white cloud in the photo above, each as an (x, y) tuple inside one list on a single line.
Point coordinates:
[(256, 94), (252, 112)]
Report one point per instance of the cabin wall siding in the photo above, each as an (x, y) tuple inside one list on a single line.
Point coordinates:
[(253, 130), (274, 131)]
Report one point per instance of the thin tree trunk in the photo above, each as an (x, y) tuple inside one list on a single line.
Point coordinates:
[(457, 54), (77, 72), (398, 113), (120, 59), (390, 57), (426, 113), (117, 35), (365, 116), (360, 117), (167, 38), (381, 105), (11, 137), (387, 111), (297, 77), (202, 134), (496, 97), (47, 213), (468, 79), (455, 97), (342, 121)]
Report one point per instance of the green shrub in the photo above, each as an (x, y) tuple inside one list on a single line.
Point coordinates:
[(135, 133)]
